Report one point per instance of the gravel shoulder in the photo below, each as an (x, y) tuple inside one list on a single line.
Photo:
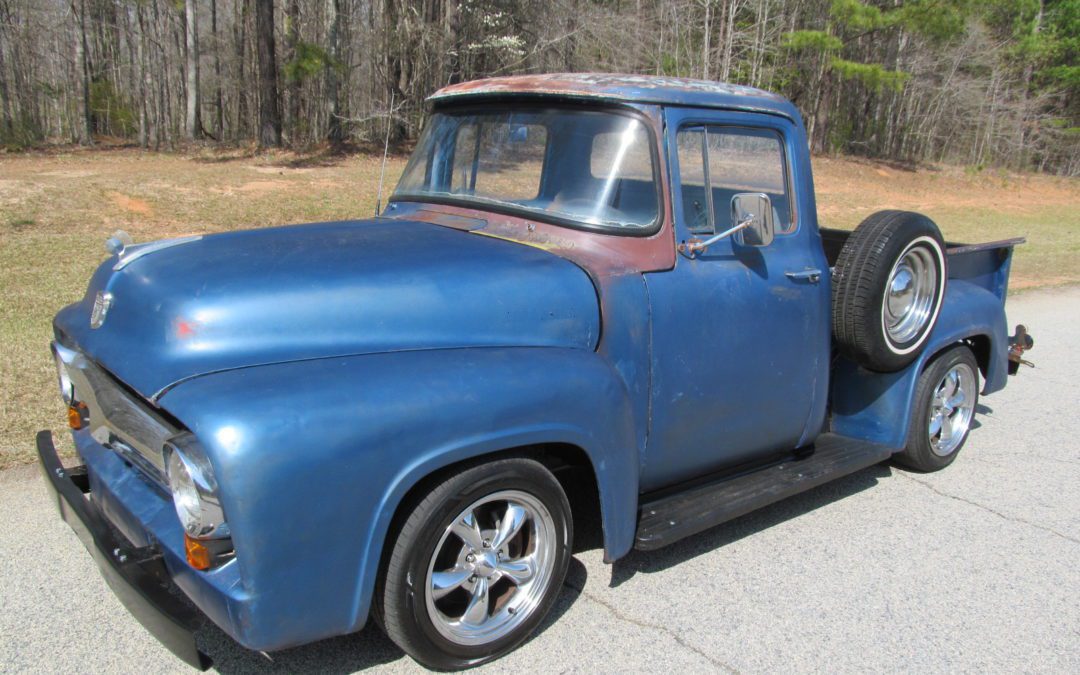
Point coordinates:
[(970, 569)]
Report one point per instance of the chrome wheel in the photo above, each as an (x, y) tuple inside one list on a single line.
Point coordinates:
[(491, 568), (910, 295), (951, 409)]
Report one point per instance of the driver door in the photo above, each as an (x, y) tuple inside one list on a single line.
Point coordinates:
[(740, 332)]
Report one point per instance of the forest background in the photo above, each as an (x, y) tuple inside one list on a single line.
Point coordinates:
[(992, 83)]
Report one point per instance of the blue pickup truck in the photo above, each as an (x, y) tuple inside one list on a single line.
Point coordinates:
[(589, 297)]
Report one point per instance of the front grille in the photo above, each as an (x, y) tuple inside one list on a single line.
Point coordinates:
[(118, 418)]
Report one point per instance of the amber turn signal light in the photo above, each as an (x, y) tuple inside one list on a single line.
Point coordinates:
[(198, 555), (76, 415)]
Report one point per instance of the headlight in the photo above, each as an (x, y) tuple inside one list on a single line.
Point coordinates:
[(191, 479)]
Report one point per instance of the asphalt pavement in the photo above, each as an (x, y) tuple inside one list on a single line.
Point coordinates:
[(975, 568)]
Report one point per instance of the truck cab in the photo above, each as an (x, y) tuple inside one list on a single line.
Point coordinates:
[(589, 295)]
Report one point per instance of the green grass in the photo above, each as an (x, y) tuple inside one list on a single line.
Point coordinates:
[(57, 209)]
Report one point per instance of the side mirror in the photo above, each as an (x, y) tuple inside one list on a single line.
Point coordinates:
[(758, 209)]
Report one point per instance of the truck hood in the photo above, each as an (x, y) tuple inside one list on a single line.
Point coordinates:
[(329, 289)]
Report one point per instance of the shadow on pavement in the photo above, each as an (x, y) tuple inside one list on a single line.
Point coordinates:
[(752, 523), (347, 653), (370, 647)]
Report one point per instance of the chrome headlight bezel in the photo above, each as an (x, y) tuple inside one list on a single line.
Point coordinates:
[(194, 488), (67, 387)]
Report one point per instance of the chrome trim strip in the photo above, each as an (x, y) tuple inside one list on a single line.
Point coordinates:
[(132, 253), (115, 415)]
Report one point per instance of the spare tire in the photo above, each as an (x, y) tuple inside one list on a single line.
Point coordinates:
[(888, 285)]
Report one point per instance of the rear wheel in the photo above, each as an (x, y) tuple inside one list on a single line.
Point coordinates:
[(944, 407), (477, 564)]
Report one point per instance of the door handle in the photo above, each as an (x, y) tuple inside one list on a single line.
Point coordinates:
[(810, 275)]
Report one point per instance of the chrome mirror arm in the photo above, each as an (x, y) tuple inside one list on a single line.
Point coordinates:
[(692, 247)]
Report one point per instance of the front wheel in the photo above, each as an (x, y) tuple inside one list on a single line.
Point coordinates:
[(944, 407), (477, 564)]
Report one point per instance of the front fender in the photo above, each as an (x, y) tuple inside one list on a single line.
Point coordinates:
[(313, 458), (878, 406)]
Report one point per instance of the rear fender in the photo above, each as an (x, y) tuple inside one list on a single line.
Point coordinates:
[(878, 406), (314, 457)]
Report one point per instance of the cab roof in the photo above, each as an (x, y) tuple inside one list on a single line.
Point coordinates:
[(623, 88)]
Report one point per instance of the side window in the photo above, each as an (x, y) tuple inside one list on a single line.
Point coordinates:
[(504, 161), (735, 160), (691, 145)]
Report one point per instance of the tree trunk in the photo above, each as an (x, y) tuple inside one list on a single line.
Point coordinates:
[(84, 130), (144, 77), (1025, 92), (219, 103), (241, 37), (706, 50), (269, 113), (397, 70), (335, 133), (293, 84), (8, 105), (453, 24), (729, 37), (192, 123)]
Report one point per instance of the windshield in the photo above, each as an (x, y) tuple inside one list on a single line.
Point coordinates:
[(589, 168)]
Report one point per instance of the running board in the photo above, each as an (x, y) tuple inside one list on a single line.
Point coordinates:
[(673, 517)]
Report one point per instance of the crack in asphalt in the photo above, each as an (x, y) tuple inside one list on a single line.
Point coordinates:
[(1044, 458), (651, 626), (988, 509)]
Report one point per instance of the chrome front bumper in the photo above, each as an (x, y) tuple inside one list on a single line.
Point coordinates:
[(136, 574)]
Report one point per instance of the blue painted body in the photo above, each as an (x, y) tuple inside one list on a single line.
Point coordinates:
[(877, 406), (740, 351), (329, 368), (331, 289)]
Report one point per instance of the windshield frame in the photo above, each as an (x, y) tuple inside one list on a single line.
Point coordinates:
[(540, 104)]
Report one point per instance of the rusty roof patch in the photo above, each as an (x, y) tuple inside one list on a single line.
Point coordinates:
[(630, 88)]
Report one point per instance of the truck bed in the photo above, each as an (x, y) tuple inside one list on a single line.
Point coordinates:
[(985, 265)]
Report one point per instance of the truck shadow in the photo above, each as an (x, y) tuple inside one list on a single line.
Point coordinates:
[(344, 654), (745, 526), (347, 653), (370, 647)]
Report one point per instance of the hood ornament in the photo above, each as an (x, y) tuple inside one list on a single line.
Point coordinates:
[(116, 244)]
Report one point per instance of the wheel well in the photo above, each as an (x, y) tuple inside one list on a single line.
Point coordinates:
[(570, 466), (980, 346), (575, 473)]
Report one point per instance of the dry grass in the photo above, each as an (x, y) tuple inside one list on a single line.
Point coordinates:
[(56, 211), (969, 208)]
